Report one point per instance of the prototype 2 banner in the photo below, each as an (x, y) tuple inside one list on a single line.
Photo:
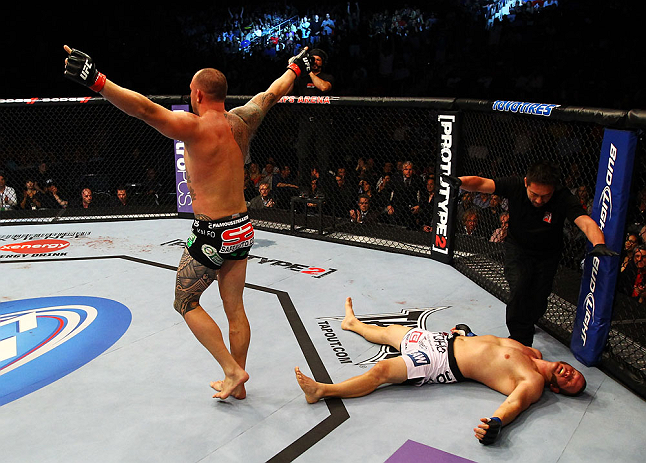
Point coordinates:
[(596, 297), (444, 209)]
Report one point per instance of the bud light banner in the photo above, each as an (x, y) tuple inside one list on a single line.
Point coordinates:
[(184, 201), (444, 209), (596, 296)]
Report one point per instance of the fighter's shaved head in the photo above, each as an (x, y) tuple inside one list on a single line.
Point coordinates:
[(212, 83)]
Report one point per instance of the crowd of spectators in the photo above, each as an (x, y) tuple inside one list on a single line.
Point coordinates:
[(61, 188), (503, 49)]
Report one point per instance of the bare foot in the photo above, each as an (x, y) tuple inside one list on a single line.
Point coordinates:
[(310, 387), (350, 319), (231, 386)]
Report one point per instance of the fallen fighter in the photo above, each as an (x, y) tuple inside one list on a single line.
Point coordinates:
[(502, 364)]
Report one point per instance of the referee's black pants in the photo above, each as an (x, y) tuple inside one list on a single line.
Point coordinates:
[(530, 277)]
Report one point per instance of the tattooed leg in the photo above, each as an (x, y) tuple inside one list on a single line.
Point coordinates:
[(192, 279)]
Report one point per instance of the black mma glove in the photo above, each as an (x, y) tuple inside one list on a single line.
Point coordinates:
[(300, 63), (454, 182), (80, 68), (602, 250), (495, 425), (462, 329)]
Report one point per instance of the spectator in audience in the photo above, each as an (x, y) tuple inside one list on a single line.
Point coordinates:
[(427, 204), (43, 175), (466, 202), (32, 198), (284, 186), (385, 186), (151, 186), (632, 240), (250, 190), (481, 200), (264, 199), (305, 29), (85, 199), (470, 220), (637, 214), (632, 279), (52, 198), (327, 26), (344, 194), (267, 174), (122, 197), (388, 169), (404, 206), (490, 216), (642, 234), (8, 198), (583, 194), (316, 30), (500, 234), (255, 175), (363, 213)]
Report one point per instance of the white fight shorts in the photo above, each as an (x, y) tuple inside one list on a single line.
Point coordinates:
[(429, 357)]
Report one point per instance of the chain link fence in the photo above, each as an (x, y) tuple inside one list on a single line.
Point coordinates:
[(82, 158), (358, 171)]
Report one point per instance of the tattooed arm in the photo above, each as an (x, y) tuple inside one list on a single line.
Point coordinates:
[(247, 118), (254, 111)]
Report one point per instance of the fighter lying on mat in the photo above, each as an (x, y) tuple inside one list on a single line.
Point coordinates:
[(504, 365)]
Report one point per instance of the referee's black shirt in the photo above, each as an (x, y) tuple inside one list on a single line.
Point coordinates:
[(537, 230)]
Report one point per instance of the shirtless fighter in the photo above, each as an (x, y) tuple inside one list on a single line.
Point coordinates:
[(217, 145), (503, 364)]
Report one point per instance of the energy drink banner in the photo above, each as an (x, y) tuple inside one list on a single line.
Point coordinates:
[(184, 201), (444, 209), (596, 296)]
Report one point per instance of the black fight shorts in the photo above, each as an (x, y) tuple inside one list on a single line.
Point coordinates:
[(213, 242)]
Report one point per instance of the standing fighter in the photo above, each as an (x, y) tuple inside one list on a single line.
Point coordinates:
[(538, 207), (217, 143), (502, 364)]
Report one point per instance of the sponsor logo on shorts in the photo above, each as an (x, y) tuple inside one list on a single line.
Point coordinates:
[(419, 358), (415, 335), (189, 242), (236, 238), (212, 254), (44, 339)]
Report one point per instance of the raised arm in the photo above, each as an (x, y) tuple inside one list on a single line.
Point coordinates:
[(80, 68), (255, 110)]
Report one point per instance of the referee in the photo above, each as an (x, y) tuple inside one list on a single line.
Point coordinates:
[(538, 207)]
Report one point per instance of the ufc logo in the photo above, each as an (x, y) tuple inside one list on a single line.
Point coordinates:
[(85, 70), (237, 235)]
